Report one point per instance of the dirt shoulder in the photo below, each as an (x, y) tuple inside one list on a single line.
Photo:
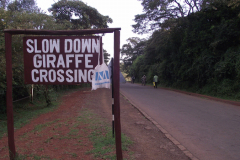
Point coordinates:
[(48, 136), (149, 142)]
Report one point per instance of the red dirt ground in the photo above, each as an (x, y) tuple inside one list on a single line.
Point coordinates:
[(48, 136)]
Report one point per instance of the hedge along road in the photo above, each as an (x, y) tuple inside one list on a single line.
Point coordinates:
[(209, 129)]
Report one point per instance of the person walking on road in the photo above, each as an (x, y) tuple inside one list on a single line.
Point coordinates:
[(133, 79), (155, 81), (144, 80)]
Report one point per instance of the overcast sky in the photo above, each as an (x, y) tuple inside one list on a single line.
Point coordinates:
[(121, 11)]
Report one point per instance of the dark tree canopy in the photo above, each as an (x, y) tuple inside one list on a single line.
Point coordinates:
[(79, 14), (23, 6), (156, 12), (4, 3), (131, 50), (199, 53)]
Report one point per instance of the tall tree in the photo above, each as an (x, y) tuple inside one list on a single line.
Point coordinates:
[(19, 18), (23, 6), (134, 48), (4, 3), (199, 53), (131, 50), (158, 11), (106, 56), (234, 4), (79, 14)]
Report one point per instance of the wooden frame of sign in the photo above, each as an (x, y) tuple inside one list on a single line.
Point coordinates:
[(116, 84)]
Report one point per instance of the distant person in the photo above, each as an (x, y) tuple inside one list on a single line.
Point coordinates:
[(133, 79), (155, 80), (144, 78)]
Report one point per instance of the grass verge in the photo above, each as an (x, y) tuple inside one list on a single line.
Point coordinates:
[(25, 110), (98, 131), (101, 136)]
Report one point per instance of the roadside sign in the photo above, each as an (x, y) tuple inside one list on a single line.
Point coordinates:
[(59, 59), (45, 68)]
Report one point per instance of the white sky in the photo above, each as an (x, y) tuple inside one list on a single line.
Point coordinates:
[(122, 13)]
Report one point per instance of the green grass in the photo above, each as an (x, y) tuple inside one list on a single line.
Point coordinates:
[(104, 144), (73, 132), (24, 110), (41, 126), (101, 136), (32, 156), (74, 155)]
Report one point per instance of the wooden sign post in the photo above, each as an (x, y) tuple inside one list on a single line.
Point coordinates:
[(36, 77)]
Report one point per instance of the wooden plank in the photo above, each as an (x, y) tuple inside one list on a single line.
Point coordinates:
[(117, 95), (10, 122), (61, 32)]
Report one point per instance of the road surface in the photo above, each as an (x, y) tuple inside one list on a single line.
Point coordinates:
[(210, 130)]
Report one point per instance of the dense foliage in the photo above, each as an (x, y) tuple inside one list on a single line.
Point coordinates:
[(199, 52), (131, 51), (25, 14), (156, 12), (79, 14)]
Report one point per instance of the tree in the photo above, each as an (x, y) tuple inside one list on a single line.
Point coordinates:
[(158, 11), (199, 53), (22, 16), (106, 56), (234, 4), (23, 6), (131, 50), (35, 20), (4, 3), (79, 14)]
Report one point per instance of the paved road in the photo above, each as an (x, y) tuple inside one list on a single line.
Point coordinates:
[(210, 130)]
